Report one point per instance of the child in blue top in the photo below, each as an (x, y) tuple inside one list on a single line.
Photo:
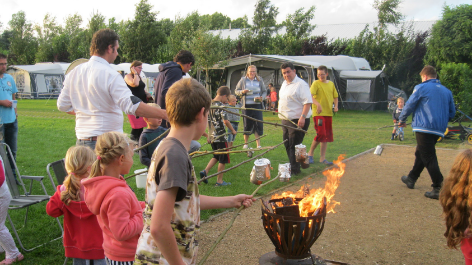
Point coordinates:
[(153, 131), (396, 115)]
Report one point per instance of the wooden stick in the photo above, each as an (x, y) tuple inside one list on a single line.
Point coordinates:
[(274, 112), (134, 175), (216, 152), (391, 126), (218, 137), (244, 162), (271, 123), (153, 141), (231, 224), (201, 153)]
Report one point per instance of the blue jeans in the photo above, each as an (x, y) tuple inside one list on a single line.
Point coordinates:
[(90, 144), (10, 137), (232, 137)]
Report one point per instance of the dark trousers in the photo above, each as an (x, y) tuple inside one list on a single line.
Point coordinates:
[(294, 138), (425, 157)]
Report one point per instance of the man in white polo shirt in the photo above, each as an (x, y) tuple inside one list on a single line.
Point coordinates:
[(97, 94), (295, 105)]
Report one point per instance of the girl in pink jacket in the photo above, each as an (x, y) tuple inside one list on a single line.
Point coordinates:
[(108, 196)]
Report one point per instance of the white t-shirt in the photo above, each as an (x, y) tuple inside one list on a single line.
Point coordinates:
[(292, 98), (98, 95)]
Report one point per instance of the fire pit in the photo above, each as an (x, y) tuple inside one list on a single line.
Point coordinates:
[(294, 221), (291, 234)]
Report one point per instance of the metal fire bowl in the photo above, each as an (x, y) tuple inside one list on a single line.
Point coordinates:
[(293, 236)]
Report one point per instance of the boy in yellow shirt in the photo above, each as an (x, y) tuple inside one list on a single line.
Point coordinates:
[(324, 95)]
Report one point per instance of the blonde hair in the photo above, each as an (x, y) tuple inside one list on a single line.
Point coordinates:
[(401, 99), (78, 160), (154, 105), (184, 99), (456, 199), (109, 147), (247, 71), (231, 97)]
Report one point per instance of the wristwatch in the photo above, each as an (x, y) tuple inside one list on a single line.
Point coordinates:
[(304, 116)]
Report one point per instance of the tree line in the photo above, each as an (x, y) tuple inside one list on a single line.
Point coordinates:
[(401, 54)]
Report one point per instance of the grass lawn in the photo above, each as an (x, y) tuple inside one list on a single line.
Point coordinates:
[(45, 134)]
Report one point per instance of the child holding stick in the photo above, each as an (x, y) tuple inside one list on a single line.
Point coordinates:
[(217, 119), (108, 196), (233, 119), (456, 200), (173, 203), (68, 200)]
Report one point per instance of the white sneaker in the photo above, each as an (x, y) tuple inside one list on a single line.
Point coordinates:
[(245, 146), (259, 146)]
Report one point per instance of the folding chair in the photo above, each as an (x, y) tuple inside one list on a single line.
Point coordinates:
[(59, 169), (20, 201)]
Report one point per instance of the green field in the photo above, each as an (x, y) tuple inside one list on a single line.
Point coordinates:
[(45, 134)]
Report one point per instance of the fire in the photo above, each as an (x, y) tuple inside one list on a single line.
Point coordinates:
[(313, 199)]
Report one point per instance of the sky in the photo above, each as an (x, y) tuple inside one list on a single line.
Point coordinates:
[(327, 12)]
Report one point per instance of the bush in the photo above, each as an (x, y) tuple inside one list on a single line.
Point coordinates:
[(458, 78)]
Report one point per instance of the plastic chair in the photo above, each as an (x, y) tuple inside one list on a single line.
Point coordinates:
[(59, 169), (19, 200)]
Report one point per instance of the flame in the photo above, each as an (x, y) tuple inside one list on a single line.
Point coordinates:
[(314, 199)]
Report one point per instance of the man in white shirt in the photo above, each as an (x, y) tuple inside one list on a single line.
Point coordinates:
[(295, 105), (97, 94)]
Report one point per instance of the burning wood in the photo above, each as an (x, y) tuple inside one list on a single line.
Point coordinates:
[(313, 199)]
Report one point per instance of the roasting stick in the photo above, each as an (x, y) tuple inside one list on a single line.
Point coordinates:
[(233, 167), (202, 153), (157, 138), (261, 110), (231, 224)]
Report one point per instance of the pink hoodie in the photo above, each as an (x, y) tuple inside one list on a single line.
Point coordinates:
[(119, 214)]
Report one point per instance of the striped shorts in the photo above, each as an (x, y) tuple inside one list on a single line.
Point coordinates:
[(112, 262)]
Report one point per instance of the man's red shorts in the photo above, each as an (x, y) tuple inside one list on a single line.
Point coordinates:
[(324, 133)]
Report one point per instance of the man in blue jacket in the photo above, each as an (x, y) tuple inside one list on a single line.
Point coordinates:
[(169, 73), (432, 106)]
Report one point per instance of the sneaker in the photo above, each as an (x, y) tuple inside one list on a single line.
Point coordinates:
[(224, 183), (245, 146), (409, 182), (326, 162), (259, 146), (310, 160), (11, 261), (434, 194), (203, 174)]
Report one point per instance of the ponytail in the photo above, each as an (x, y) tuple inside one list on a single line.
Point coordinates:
[(78, 159)]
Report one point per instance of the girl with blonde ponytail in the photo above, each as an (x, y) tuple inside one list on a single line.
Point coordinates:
[(69, 201), (108, 196)]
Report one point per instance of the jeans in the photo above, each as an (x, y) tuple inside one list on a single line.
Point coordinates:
[(90, 144), (10, 137), (194, 146), (425, 156), (232, 137), (251, 126), (294, 138)]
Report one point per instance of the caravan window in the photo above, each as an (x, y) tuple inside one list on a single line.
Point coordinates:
[(358, 90)]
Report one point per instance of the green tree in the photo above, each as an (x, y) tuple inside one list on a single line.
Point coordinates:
[(142, 36), (5, 40), (240, 23), (209, 50), (75, 36), (451, 37), (182, 33), (23, 44), (46, 33), (215, 21), (256, 38), (458, 78), (387, 12), (299, 24)]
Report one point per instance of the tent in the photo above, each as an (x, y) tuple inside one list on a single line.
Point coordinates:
[(42, 80), (358, 86)]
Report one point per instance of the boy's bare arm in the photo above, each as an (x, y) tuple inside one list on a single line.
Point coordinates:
[(161, 230), (335, 104), (228, 124), (209, 202)]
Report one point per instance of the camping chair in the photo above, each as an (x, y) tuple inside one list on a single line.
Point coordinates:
[(19, 201), (59, 170)]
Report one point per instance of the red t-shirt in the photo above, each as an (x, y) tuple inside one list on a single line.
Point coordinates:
[(273, 96), (466, 247)]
